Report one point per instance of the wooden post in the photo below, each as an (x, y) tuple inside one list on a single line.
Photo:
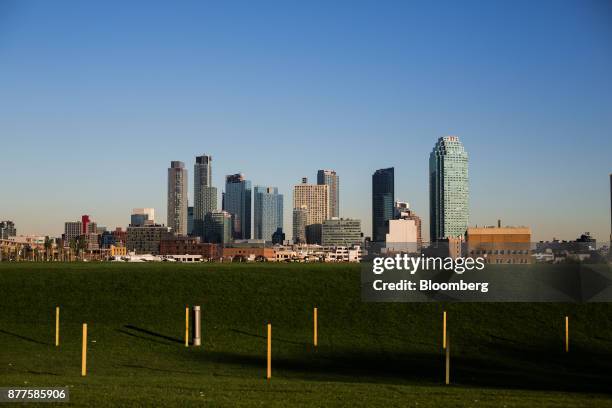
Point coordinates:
[(447, 374), (84, 352), (57, 317), (187, 326), (567, 334), (444, 330), (316, 334), (269, 372)]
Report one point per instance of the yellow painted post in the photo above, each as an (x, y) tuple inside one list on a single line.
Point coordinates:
[(57, 317), (187, 326), (444, 330), (567, 334), (84, 352), (315, 328), (269, 373), (447, 374)]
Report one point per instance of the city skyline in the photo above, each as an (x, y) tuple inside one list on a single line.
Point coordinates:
[(288, 228), (525, 86)]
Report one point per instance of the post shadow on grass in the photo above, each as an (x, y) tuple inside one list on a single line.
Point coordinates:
[(152, 334), (520, 370), (276, 339), (146, 338), (155, 369), (24, 338)]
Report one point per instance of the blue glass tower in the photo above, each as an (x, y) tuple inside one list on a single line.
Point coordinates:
[(383, 199), (448, 189), (268, 212), (237, 202)]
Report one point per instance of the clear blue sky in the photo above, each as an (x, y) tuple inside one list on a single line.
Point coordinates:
[(97, 98)]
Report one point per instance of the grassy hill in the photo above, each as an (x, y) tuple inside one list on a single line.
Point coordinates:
[(370, 354)]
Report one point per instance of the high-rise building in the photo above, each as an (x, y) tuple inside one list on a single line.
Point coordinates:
[(611, 215), (402, 211), (402, 236), (190, 220), (177, 197), (267, 212), (85, 220), (142, 216), (448, 189), (331, 179), (72, 230), (383, 197), (218, 227), (204, 194), (316, 199), (7, 229), (341, 232), (300, 219), (237, 201)]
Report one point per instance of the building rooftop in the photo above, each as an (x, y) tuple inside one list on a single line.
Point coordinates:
[(498, 230)]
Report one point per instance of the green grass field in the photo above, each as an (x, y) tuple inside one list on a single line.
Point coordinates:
[(368, 355)]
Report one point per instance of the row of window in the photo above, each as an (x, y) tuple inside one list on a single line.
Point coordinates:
[(500, 252), (510, 261)]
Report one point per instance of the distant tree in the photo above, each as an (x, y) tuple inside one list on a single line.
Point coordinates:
[(48, 247)]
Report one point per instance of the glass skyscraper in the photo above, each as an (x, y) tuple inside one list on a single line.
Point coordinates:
[(204, 194), (267, 212), (237, 201), (218, 227), (383, 199), (300, 220), (190, 220), (448, 189)]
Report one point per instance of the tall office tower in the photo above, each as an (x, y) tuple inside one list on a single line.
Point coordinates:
[(72, 230), (330, 178), (85, 220), (190, 220), (142, 216), (300, 218), (383, 196), (448, 189), (237, 201), (402, 211), (177, 198), (218, 227), (7, 229), (267, 212), (316, 199), (204, 194)]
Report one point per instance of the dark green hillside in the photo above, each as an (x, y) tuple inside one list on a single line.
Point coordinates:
[(369, 354)]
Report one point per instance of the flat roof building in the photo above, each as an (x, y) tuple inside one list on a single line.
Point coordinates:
[(343, 232), (500, 245), (146, 239)]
